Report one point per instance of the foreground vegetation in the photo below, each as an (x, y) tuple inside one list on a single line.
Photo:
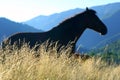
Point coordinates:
[(27, 64)]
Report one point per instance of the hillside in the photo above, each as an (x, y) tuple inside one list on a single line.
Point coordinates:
[(109, 14), (8, 27), (113, 47)]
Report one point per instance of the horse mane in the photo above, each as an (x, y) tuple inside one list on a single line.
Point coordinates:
[(89, 11)]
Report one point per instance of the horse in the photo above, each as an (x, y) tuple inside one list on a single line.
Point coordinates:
[(67, 31)]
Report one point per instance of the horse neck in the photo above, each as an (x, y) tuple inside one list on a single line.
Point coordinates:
[(70, 29)]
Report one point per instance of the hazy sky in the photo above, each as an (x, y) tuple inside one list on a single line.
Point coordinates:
[(21, 10)]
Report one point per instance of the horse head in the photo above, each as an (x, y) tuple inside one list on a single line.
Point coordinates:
[(93, 22)]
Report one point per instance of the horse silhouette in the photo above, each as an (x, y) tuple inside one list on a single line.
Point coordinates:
[(69, 30)]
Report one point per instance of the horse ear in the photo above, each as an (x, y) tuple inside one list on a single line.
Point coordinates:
[(87, 9)]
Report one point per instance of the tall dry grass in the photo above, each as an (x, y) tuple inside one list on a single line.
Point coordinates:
[(22, 64)]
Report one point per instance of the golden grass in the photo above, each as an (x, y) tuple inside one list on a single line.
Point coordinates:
[(21, 64)]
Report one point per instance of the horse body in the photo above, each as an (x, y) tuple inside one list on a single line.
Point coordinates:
[(69, 30)]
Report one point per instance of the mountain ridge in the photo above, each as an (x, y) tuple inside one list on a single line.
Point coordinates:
[(9, 27), (55, 19)]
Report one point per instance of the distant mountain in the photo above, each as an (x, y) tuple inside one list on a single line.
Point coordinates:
[(109, 14), (106, 11), (8, 27), (48, 22)]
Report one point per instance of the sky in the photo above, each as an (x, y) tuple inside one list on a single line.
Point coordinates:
[(22, 10)]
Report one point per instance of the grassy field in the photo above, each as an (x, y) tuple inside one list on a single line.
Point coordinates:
[(22, 64)]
